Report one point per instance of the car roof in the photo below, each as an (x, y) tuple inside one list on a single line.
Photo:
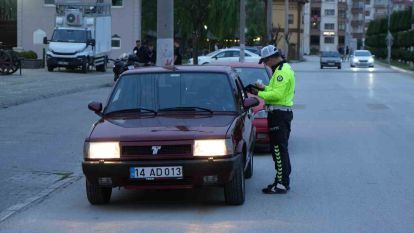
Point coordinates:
[(241, 64), (181, 68)]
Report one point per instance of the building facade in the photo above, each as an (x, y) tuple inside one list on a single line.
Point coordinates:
[(295, 35), (37, 17), (8, 21)]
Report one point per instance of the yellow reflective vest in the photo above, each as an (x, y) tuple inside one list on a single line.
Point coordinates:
[(281, 88)]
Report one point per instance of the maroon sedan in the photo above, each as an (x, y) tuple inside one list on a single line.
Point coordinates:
[(249, 73), (172, 128)]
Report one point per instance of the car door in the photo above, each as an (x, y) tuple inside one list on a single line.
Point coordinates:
[(246, 117)]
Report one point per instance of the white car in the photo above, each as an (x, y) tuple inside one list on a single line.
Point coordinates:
[(362, 58), (226, 55)]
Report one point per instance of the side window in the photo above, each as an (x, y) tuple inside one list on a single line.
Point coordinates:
[(220, 55), (235, 54)]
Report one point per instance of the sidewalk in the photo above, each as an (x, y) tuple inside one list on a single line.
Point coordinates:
[(35, 84)]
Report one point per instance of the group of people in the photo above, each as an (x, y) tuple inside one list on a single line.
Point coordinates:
[(344, 53), (147, 55)]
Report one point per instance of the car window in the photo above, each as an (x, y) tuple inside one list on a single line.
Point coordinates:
[(250, 75), (222, 54), (170, 90), (330, 54), (362, 53)]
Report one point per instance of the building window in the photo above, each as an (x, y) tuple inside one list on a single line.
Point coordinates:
[(329, 0), (341, 26), (329, 26), (117, 3), (315, 40), (329, 40), (49, 2), (290, 19), (329, 12), (342, 14), (367, 13), (341, 40), (116, 42)]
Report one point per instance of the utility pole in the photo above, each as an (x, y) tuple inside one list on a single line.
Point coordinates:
[(286, 31), (165, 32), (269, 6), (389, 36), (242, 28), (363, 24)]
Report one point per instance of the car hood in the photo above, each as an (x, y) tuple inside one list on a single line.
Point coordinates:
[(66, 47), (162, 128)]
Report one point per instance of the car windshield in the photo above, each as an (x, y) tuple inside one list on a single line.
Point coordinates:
[(362, 53), (67, 35), (330, 54), (185, 91), (251, 75)]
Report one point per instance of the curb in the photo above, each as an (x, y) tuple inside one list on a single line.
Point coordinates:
[(51, 95), (401, 70), (5, 214)]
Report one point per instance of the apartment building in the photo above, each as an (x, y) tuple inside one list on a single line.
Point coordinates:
[(326, 25), (37, 17)]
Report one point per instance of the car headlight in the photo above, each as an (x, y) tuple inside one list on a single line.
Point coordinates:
[(260, 114), (212, 147), (355, 60), (370, 60), (102, 150)]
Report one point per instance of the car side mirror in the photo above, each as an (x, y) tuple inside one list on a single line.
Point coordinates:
[(250, 102), (96, 107), (91, 42), (45, 41), (215, 57)]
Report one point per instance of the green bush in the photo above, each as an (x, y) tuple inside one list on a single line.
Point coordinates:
[(27, 54)]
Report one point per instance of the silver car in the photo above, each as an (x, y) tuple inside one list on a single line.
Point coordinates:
[(361, 58)]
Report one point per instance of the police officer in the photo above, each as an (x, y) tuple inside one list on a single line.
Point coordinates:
[(278, 96)]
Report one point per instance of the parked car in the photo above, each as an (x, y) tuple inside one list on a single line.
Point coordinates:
[(253, 49), (226, 55), (172, 128), (330, 59), (249, 73), (361, 58)]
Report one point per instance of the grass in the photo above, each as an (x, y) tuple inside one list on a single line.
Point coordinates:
[(397, 64)]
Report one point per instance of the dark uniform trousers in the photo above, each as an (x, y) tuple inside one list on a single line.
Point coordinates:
[(279, 122)]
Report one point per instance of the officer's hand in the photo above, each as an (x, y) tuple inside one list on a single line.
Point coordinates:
[(260, 86), (253, 91)]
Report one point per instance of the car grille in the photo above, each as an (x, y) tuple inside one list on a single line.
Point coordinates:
[(163, 150), (363, 60)]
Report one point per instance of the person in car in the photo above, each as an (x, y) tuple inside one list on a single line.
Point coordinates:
[(278, 97)]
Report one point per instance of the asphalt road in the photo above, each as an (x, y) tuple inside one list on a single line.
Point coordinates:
[(351, 153)]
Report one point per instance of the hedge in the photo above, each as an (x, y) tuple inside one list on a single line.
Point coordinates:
[(403, 36)]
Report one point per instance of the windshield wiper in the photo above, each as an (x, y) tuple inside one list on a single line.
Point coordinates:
[(132, 110), (186, 109)]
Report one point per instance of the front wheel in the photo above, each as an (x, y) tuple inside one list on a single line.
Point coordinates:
[(50, 68), (234, 190), (97, 195)]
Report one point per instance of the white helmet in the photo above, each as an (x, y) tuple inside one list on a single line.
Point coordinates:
[(268, 51)]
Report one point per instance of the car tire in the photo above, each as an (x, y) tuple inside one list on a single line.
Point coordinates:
[(321, 66), (249, 171), (50, 68), (352, 66), (339, 67), (234, 190), (102, 68), (97, 195)]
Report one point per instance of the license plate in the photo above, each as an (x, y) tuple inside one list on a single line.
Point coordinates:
[(156, 172), (63, 63), (331, 64)]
